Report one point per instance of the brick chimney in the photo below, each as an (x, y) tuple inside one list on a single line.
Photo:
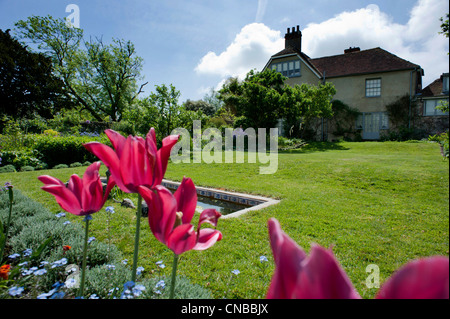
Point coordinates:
[(350, 50), (293, 38)]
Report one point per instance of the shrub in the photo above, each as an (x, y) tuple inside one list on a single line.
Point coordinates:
[(26, 168), (7, 169), (66, 149), (59, 166), (76, 164), (21, 158)]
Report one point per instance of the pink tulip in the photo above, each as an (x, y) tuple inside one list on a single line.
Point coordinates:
[(82, 196), (170, 217), (319, 275), (134, 162), (298, 276)]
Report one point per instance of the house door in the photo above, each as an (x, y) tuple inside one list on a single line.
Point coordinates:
[(371, 126)]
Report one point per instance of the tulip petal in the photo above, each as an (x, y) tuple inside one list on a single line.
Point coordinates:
[(65, 198), (109, 157), (288, 257), (206, 238), (117, 140), (322, 277), (182, 239), (162, 208), (186, 196), (210, 216), (50, 180), (426, 278)]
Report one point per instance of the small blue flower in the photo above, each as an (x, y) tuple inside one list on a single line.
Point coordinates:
[(94, 296), (40, 272), (236, 272), (263, 258), (23, 264), (125, 261), (139, 270), (43, 263), (62, 214), (160, 264), (66, 223), (60, 262), (110, 267), (110, 209), (15, 291), (160, 284), (27, 252), (14, 256), (91, 239), (87, 217)]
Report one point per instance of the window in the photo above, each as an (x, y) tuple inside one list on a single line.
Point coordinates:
[(445, 84), (373, 87), (429, 108), (288, 68)]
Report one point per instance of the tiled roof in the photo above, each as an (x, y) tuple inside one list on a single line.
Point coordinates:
[(358, 62), (361, 62), (434, 88)]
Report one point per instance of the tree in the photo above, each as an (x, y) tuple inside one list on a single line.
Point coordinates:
[(257, 98), (200, 105), (263, 98), (102, 78), (444, 26), (165, 99), (27, 83), (304, 102)]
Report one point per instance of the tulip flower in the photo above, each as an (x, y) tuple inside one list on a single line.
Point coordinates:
[(82, 197), (170, 218), (319, 275), (134, 162)]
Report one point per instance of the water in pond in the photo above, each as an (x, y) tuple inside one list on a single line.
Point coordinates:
[(222, 207)]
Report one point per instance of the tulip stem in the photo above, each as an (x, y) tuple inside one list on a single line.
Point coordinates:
[(83, 266), (174, 275), (136, 239)]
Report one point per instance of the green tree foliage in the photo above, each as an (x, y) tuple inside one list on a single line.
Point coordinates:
[(263, 98), (165, 99), (102, 78), (200, 105), (27, 84), (258, 98)]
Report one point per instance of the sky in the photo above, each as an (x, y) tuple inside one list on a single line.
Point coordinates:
[(197, 44)]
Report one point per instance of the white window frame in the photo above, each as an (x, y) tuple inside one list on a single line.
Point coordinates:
[(373, 87), (432, 103), (289, 68)]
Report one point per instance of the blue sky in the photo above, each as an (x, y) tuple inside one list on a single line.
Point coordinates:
[(195, 45)]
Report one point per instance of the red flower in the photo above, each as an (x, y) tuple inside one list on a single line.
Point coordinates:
[(170, 217), (134, 162), (4, 271), (82, 196), (320, 276)]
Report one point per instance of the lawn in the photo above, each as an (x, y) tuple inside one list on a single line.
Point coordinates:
[(382, 203)]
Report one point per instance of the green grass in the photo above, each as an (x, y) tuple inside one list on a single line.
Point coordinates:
[(374, 203)]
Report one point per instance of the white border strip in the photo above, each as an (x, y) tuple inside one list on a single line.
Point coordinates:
[(263, 201)]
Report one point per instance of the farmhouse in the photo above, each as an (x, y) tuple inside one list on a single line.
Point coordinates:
[(365, 80)]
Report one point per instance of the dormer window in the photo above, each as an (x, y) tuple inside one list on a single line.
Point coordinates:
[(445, 84), (287, 68)]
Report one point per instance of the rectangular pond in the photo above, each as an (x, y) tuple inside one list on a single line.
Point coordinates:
[(229, 204)]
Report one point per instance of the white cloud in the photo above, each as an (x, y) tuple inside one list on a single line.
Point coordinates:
[(262, 5), (251, 48), (417, 41)]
